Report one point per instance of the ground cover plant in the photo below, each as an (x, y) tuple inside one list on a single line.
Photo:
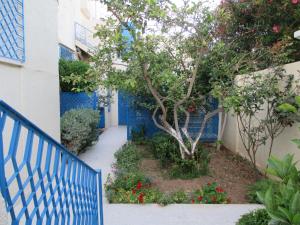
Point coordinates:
[(79, 129), (257, 217)]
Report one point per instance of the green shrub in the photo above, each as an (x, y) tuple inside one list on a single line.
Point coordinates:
[(131, 188), (262, 186), (127, 159), (257, 217), (77, 76), (165, 149), (179, 197), (139, 135), (79, 129), (191, 168)]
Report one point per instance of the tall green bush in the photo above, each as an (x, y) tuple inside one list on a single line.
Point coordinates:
[(77, 76), (79, 129)]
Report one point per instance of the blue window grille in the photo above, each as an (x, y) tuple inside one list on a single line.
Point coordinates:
[(40, 180), (66, 53), (12, 44)]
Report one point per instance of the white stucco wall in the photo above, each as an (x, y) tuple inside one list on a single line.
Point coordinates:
[(114, 116), (32, 88), (282, 145), (66, 18)]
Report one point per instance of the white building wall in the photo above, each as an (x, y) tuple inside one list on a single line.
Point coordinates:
[(66, 17), (282, 144), (32, 88)]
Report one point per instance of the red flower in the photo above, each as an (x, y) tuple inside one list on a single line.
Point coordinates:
[(133, 191), (200, 198), (141, 198), (219, 190), (276, 28), (208, 184), (270, 1), (295, 2), (139, 185), (191, 109), (193, 201)]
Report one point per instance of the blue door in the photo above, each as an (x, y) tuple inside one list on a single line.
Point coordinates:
[(122, 107)]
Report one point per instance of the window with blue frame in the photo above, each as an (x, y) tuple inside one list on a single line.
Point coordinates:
[(66, 53), (12, 44)]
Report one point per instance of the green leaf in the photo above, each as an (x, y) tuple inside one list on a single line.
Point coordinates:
[(296, 219), (286, 212), (297, 100), (268, 199), (286, 107), (295, 203)]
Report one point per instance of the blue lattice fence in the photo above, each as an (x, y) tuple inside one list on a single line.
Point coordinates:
[(40, 181), (82, 100), (12, 44), (70, 100), (140, 118)]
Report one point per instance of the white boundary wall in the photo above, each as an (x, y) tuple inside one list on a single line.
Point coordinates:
[(282, 144)]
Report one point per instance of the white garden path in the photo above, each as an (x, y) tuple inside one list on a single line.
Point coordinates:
[(101, 156)]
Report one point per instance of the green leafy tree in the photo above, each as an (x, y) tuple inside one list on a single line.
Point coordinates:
[(159, 58), (77, 76), (255, 99)]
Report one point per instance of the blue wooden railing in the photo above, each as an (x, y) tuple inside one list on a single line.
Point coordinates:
[(41, 181)]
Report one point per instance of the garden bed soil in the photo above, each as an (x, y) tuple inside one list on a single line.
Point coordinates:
[(230, 171)]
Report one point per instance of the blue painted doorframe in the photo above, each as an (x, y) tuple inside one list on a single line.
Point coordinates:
[(122, 108)]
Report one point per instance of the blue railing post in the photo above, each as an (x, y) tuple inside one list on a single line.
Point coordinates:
[(100, 201)]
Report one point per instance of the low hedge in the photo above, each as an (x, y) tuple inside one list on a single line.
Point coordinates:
[(79, 128)]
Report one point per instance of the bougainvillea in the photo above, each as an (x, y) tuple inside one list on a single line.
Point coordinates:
[(260, 25)]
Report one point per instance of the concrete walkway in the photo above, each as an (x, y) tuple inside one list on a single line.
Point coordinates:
[(101, 156)]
